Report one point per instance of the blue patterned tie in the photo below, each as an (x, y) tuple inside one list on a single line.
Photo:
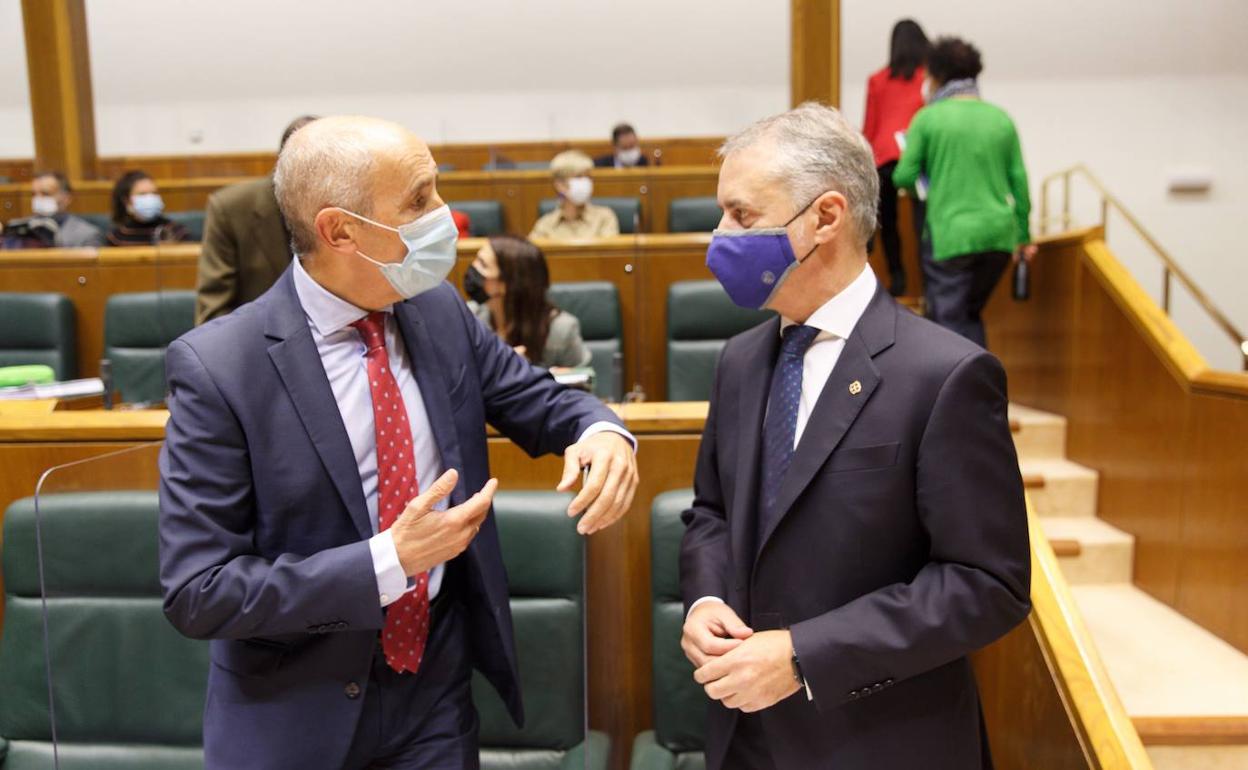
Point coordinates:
[(780, 426)]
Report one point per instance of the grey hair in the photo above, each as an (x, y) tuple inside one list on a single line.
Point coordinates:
[(816, 151), (326, 164)]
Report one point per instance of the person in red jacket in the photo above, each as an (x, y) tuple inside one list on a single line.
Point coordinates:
[(894, 94)]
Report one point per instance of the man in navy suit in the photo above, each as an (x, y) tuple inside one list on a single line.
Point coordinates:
[(858, 527), (325, 488)]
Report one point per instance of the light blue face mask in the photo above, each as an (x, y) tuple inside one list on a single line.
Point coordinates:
[(430, 242), (147, 206)]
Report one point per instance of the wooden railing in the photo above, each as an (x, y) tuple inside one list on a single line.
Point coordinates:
[(1170, 269)]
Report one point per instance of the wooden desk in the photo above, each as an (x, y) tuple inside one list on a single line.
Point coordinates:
[(464, 156)]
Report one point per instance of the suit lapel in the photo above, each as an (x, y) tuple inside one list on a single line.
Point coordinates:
[(298, 363), (839, 404), (429, 370), (751, 407)]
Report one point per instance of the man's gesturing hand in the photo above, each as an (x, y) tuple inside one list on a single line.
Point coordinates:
[(425, 538), (608, 492), (711, 630)]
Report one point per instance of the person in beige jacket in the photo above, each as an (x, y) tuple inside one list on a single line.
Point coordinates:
[(246, 245)]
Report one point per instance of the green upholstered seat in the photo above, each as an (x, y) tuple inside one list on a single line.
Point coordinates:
[(677, 740), (700, 319), (627, 210), (129, 690), (39, 328), (693, 215), (596, 304), (193, 221), (542, 554), (485, 218), (137, 329)]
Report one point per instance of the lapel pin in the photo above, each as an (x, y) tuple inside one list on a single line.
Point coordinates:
[(855, 388)]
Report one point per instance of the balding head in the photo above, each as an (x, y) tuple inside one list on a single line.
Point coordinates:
[(338, 162)]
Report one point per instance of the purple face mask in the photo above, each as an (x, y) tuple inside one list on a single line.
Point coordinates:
[(751, 264)]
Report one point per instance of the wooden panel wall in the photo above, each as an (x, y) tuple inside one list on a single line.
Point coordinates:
[(1166, 436), (671, 151)]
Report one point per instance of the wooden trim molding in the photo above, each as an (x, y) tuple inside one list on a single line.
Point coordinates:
[(1192, 731), (58, 67)]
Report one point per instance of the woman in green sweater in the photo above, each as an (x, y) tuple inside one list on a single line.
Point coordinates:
[(977, 199)]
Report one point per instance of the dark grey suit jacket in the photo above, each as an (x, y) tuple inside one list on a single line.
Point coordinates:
[(902, 545)]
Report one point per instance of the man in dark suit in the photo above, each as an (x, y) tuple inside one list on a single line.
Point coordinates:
[(246, 247), (858, 527), (318, 516)]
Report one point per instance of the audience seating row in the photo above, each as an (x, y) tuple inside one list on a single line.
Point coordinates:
[(38, 328), (685, 215), (115, 709)]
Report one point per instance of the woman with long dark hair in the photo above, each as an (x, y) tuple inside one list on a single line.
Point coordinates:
[(138, 214), (506, 285), (894, 95)]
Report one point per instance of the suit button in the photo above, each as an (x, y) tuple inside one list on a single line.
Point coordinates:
[(888, 682), (352, 690)]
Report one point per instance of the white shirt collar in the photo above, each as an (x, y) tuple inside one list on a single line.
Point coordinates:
[(838, 316), (327, 312)]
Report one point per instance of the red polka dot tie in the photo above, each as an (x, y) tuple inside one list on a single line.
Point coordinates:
[(407, 619)]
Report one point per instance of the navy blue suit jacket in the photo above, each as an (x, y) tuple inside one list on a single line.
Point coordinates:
[(264, 527), (901, 545)]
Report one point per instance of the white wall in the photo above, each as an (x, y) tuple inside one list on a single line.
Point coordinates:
[(1135, 90), (16, 135), (228, 75)]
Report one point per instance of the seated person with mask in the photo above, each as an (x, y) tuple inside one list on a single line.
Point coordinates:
[(506, 286), (51, 224), (626, 150), (575, 217), (138, 214)]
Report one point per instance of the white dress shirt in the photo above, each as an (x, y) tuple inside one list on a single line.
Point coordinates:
[(835, 320), (342, 353)]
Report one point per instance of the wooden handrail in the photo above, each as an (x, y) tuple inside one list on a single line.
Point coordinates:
[(1170, 266), (1105, 730)]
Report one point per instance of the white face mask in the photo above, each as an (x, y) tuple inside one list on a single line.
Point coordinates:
[(430, 242), (629, 157), (580, 189), (44, 206), (147, 206)]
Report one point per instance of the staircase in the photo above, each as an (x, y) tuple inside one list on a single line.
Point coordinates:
[(1185, 689)]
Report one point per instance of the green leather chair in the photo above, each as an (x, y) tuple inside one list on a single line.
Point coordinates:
[(700, 319), (627, 210), (678, 737), (129, 690), (39, 328), (137, 329), (542, 554), (596, 304), (693, 215), (485, 218), (193, 221)]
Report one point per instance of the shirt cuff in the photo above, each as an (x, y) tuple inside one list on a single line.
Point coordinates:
[(605, 425), (703, 600), (391, 580)]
